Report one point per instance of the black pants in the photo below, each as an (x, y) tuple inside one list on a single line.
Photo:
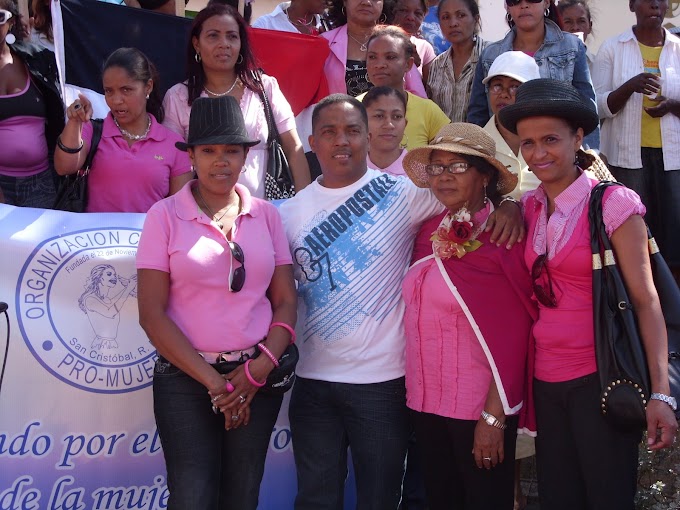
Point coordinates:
[(583, 463), (452, 479)]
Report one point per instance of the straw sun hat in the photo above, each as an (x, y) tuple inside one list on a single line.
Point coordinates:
[(459, 138)]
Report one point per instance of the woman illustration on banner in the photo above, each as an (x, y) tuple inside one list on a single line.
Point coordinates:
[(102, 308), (220, 63)]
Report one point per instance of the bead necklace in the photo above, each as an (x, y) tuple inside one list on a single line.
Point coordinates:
[(129, 135), (218, 220), (221, 94)]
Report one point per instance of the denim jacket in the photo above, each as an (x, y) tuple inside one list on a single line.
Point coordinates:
[(42, 66), (562, 56)]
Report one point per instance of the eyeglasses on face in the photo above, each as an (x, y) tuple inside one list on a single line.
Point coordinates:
[(459, 167), (237, 277), (498, 88), (4, 16), (545, 297), (514, 3)]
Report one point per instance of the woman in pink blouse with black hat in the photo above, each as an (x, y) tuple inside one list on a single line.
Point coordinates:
[(215, 286)]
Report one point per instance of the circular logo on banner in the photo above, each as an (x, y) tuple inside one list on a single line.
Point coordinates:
[(76, 303)]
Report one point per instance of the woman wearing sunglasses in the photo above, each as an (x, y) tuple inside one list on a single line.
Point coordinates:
[(465, 358), (215, 285), (31, 115), (535, 29), (583, 462)]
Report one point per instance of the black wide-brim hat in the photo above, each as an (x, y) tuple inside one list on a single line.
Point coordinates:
[(216, 121), (544, 97)]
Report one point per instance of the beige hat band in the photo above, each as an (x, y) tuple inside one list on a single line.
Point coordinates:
[(457, 140)]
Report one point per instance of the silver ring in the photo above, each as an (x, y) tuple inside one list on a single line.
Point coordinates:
[(242, 398), (234, 417), (215, 398), (486, 458)]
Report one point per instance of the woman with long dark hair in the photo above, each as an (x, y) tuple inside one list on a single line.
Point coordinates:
[(220, 63), (536, 29), (135, 164)]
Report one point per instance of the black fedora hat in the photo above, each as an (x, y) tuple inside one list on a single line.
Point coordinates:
[(544, 97), (216, 121)]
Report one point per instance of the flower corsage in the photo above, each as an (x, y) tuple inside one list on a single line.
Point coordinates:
[(455, 235)]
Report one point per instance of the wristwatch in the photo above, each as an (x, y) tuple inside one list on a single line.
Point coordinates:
[(490, 419), (665, 398)]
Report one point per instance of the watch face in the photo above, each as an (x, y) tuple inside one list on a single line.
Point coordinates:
[(489, 420)]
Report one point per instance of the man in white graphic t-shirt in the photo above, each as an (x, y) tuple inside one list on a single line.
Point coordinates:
[(351, 234)]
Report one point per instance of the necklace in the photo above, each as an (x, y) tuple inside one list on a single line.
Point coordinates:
[(129, 135), (222, 94), (300, 21), (216, 220), (362, 45)]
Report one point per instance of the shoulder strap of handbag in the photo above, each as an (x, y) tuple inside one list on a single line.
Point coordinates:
[(268, 113), (97, 129)]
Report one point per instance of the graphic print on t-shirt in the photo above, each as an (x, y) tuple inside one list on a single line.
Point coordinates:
[(347, 259)]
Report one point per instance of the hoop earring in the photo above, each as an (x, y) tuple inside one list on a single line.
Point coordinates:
[(547, 12), (383, 18), (474, 38), (577, 160), (486, 199), (342, 10), (508, 18), (404, 142), (239, 60), (197, 57)]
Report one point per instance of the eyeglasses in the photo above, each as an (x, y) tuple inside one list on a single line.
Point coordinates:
[(459, 167), (237, 277), (498, 88), (4, 16), (513, 3), (545, 297)]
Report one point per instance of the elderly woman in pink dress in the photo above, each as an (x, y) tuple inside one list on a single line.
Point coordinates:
[(468, 321)]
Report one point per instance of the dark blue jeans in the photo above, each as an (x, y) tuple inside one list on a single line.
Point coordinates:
[(209, 468), (326, 419), (35, 191)]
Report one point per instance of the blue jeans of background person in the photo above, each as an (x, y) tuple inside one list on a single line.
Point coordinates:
[(371, 419), (209, 468)]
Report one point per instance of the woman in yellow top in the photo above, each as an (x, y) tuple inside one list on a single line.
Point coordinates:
[(391, 54)]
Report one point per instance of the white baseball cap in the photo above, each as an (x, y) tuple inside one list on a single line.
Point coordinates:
[(515, 64)]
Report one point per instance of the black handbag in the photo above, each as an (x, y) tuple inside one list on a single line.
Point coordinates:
[(278, 180), (621, 359), (72, 192), (279, 380)]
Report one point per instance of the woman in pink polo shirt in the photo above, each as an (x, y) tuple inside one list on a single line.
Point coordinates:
[(583, 461), (136, 163), (468, 320), (215, 284)]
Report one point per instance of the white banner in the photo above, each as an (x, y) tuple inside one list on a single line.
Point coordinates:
[(76, 420)]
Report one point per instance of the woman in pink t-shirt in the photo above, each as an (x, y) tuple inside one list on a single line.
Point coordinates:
[(583, 461), (136, 163), (220, 63), (468, 320), (215, 285), (386, 109)]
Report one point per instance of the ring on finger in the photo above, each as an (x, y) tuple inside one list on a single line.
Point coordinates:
[(242, 399), (234, 417), (216, 398), (486, 458)]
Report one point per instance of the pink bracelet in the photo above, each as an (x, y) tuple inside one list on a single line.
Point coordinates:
[(264, 350), (251, 379), (286, 327)]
